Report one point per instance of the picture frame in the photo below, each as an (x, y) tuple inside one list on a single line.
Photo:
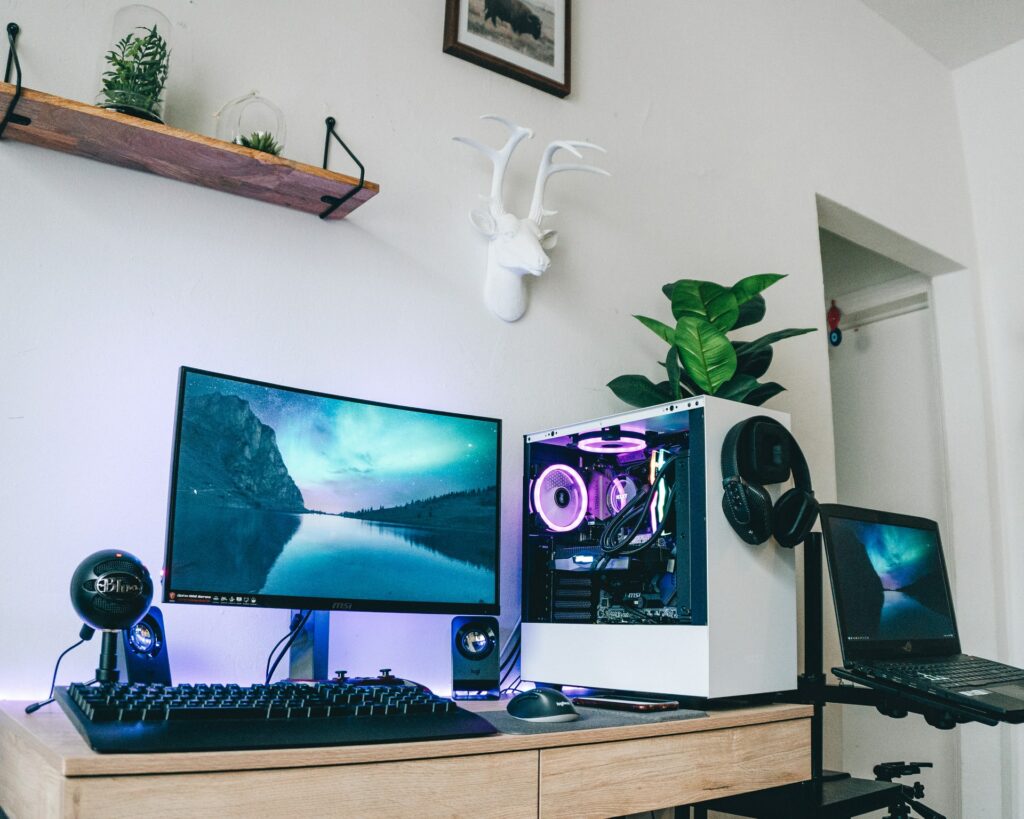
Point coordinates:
[(527, 40)]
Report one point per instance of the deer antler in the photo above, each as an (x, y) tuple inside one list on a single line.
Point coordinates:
[(548, 168), (500, 158)]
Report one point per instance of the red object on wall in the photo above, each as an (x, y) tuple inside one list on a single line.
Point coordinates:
[(835, 335), (833, 315)]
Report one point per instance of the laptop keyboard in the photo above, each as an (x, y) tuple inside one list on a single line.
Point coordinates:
[(950, 672)]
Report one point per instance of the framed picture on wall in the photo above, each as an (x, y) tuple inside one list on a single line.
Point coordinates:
[(527, 40)]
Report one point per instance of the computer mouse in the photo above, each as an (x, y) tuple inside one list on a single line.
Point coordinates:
[(542, 705)]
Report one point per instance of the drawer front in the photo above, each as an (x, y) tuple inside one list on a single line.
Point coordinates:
[(614, 778), (499, 785)]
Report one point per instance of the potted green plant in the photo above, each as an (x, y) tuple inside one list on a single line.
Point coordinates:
[(137, 72), (701, 358)]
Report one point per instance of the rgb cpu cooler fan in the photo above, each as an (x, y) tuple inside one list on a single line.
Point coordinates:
[(560, 498)]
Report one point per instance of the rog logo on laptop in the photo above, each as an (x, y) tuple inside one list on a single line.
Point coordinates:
[(908, 646)]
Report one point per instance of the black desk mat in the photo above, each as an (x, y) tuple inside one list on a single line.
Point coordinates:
[(589, 718)]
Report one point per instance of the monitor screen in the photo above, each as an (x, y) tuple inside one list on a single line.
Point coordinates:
[(889, 578), (289, 498)]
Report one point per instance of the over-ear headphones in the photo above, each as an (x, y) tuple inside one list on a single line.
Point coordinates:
[(761, 451)]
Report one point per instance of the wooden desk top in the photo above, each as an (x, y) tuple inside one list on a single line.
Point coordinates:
[(49, 734)]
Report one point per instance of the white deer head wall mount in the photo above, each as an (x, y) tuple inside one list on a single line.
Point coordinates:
[(518, 247)]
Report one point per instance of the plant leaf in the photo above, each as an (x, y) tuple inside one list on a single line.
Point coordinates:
[(687, 387), (745, 289), (763, 392), (668, 288), (660, 329), (705, 300), (768, 340), (639, 390), (751, 312), (705, 352), (672, 365), (665, 387), (737, 388), (754, 364)]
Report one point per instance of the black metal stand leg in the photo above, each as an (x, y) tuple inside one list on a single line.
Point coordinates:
[(336, 202), (307, 658), (814, 670)]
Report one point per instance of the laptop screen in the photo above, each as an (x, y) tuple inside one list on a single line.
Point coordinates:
[(889, 583)]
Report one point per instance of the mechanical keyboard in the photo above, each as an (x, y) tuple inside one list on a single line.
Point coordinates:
[(141, 718)]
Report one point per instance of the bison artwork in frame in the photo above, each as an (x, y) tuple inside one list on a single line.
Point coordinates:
[(527, 40)]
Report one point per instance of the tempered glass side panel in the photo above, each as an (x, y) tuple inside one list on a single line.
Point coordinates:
[(602, 541)]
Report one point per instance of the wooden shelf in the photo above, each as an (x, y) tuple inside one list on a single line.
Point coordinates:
[(118, 139)]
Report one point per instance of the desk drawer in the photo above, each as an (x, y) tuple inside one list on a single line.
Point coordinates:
[(499, 785), (613, 778)]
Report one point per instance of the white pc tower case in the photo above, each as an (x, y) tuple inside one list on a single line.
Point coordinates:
[(694, 611)]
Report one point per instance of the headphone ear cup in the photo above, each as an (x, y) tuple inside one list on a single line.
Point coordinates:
[(793, 516), (748, 508)]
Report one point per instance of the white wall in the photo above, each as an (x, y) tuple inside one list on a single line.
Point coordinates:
[(992, 117), (722, 122)]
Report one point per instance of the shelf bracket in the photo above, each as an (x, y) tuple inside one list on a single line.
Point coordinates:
[(335, 202), (13, 29)]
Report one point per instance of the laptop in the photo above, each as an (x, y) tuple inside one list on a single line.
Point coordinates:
[(895, 612)]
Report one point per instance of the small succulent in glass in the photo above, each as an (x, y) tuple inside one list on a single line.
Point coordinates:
[(253, 122), (260, 141), (134, 82)]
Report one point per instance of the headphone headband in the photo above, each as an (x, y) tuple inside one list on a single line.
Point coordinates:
[(746, 467), (730, 451), (758, 451)]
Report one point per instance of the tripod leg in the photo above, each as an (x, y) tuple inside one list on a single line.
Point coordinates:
[(924, 810)]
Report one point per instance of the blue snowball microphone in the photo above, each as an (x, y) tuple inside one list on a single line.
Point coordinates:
[(111, 590)]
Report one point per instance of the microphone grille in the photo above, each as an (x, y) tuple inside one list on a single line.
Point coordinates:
[(116, 565)]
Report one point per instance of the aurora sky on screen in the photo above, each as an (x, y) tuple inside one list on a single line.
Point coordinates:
[(899, 555), (346, 455)]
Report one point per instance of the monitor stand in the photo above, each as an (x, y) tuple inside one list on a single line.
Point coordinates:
[(307, 657)]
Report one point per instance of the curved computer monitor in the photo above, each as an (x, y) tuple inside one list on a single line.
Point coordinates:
[(289, 498)]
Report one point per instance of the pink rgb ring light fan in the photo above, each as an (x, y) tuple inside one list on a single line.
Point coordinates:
[(616, 443), (560, 498)]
